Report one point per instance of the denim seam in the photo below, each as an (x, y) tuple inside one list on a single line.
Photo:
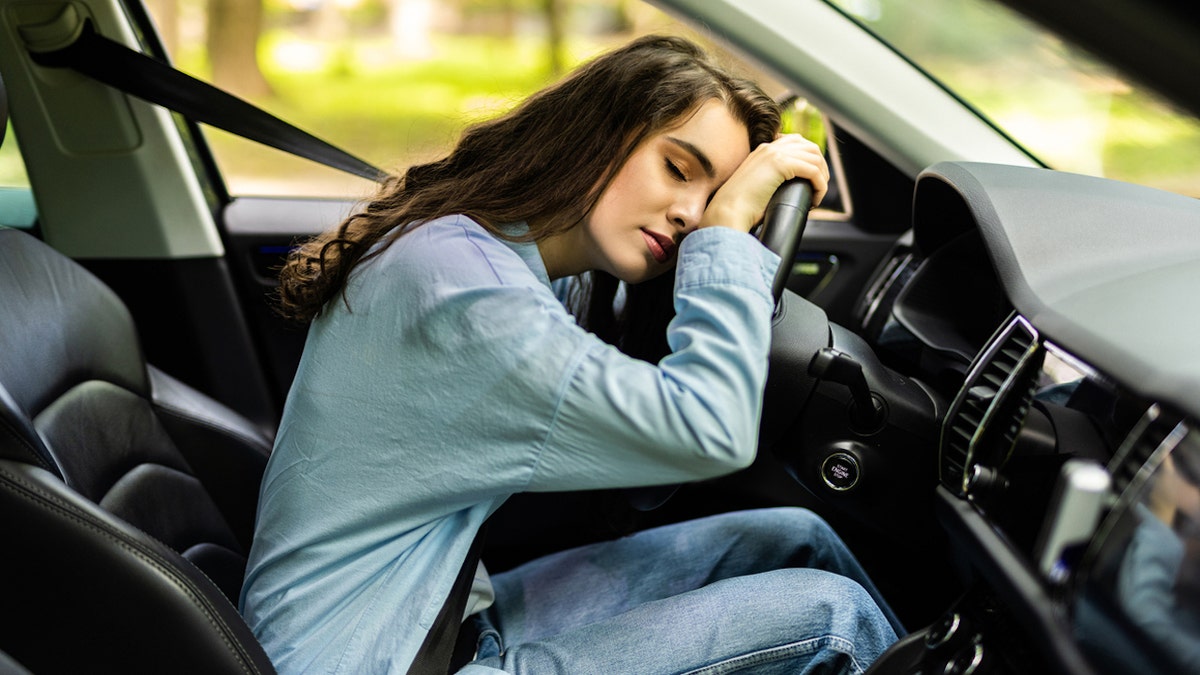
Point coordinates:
[(495, 637), (780, 652)]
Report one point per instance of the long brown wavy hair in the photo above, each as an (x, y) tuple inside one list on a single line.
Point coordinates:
[(545, 163)]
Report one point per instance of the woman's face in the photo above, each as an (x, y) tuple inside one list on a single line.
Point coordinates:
[(660, 193)]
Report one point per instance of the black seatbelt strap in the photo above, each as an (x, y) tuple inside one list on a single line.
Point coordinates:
[(149, 79), (433, 658)]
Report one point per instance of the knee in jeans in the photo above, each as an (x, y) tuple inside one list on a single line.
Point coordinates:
[(803, 525), (789, 536), (779, 518), (803, 518), (842, 599)]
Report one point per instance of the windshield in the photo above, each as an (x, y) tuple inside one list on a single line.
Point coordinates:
[(1063, 105)]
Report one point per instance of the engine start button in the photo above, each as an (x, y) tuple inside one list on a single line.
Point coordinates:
[(840, 471)]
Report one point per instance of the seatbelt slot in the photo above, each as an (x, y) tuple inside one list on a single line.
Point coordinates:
[(57, 33)]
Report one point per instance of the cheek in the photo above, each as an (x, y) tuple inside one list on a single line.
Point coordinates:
[(622, 189), (604, 214), (640, 180), (614, 202), (626, 201)]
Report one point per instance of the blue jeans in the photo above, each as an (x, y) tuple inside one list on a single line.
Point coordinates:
[(764, 591)]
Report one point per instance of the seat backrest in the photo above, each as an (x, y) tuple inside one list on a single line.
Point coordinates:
[(127, 498)]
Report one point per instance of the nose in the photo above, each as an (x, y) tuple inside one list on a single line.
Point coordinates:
[(685, 214)]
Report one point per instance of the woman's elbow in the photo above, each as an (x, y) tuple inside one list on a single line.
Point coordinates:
[(733, 449)]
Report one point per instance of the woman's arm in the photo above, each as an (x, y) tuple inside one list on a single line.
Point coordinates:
[(623, 422)]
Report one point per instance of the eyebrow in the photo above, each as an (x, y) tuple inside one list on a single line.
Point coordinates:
[(702, 158)]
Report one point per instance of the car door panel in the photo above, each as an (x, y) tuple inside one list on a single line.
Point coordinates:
[(259, 232)]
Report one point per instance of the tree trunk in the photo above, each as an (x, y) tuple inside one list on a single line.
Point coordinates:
[(554, 34), (508, 19), (233, 30)]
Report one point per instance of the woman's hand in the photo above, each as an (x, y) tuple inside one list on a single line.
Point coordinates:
[(741, 201)]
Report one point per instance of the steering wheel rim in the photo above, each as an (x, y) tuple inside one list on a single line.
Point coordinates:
[(783, 226), (797, 332)]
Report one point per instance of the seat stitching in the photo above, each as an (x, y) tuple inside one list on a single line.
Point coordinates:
[(14, 481)]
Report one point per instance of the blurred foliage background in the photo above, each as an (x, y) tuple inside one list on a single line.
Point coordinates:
[(394, 81)]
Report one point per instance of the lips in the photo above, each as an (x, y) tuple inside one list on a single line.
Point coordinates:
[(661, 246)]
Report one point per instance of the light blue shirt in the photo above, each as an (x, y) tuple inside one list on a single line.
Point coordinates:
[(453, 377)]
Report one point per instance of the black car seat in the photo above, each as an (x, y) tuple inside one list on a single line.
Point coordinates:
[(127, 498)]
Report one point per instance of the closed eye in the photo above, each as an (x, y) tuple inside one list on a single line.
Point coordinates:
[(674, 170)]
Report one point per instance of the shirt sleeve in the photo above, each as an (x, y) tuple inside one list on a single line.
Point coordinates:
[(464, 362), (620, 421)]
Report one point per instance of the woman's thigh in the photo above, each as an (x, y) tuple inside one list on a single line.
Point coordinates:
[(792, 620), (584, 585)]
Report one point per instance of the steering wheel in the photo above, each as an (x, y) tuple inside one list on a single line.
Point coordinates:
[(783, 226), (800, 328)]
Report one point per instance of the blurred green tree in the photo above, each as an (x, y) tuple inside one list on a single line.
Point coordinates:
[(233, 30)]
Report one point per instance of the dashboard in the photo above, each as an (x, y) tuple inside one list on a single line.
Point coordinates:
[(1051, 320)]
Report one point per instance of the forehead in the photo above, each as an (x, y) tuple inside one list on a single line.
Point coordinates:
[(713, 130)]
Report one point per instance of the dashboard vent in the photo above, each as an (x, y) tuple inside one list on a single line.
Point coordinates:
[(1153, 432), (1135, 466), (986, 415)]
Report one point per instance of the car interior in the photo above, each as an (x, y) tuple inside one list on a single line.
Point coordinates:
[(996, 415), (130, 495)]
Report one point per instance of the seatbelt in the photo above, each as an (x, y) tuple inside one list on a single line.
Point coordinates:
[(149, 79), (433, 658)]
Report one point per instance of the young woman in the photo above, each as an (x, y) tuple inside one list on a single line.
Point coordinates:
[(442, 374)]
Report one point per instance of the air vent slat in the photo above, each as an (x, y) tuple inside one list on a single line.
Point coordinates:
[(994, 379), (1143, 441), (992, 405), (963, 433)]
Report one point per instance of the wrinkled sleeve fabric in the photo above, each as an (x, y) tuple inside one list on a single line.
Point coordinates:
[(624, 422), (549, 406)]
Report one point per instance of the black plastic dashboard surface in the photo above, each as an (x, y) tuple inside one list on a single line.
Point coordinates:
[(1106, 269)]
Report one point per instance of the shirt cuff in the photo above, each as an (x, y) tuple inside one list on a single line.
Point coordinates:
[(723, 255)]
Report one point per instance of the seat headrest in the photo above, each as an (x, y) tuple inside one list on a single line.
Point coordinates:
[(60, 326)]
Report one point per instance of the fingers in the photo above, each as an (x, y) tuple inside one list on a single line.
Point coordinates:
[(740, 202), (799, 157)]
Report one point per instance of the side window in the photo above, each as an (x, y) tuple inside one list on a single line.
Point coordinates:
[(391, 81), (17, 208), (802, 117)]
